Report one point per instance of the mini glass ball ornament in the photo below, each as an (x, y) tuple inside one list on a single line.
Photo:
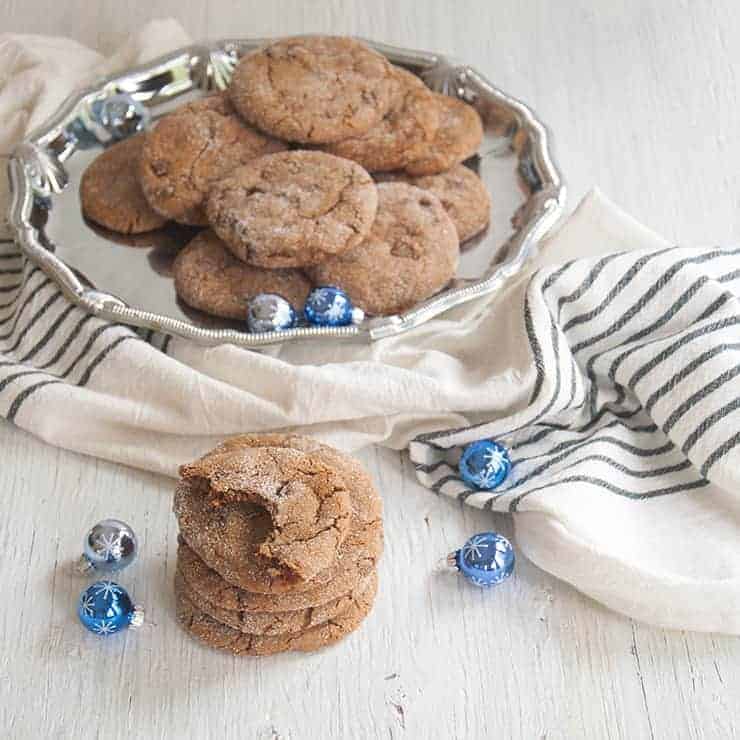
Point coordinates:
[(270, 312), (108, 547), (121, 115), (331, 306), (486, 559), (106, 608), (484, 464)]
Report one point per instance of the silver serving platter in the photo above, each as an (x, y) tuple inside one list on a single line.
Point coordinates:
[(128, 280)]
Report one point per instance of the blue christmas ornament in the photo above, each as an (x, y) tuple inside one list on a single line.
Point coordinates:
[(121, 115), (484, 464), (105, 608), (485, 559), (270, 312), (330, 306), (109, 546)]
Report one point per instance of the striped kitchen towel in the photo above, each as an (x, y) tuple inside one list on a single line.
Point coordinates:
[(626, 458)]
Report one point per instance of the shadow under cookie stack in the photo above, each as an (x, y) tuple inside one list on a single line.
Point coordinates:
[(279, 541), (321, 164)]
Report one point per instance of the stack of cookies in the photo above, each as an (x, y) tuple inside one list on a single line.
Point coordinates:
[(321, 164), (279, 540)]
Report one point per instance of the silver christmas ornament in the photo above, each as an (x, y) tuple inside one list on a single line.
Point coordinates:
[(270, 312), (108, 547)]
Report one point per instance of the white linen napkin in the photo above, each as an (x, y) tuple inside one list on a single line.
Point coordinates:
[(609, 368)]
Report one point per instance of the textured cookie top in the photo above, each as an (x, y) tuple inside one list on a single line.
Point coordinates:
[(462, 194), (313, 89), (403, 134), (190, 149), (458, 137), (111, 194), (293, 208), (227, 537), (411, 253), (208, 277), (307, 502)]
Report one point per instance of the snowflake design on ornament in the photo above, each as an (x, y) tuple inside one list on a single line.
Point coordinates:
[(336, 310), (107, 589), (86, 604), (487, 478), (495, 459), (109, 546), (106, 627), (472, 549)]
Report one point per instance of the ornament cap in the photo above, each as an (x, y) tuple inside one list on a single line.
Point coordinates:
[(83, 565), (358, 315), (137, 616)]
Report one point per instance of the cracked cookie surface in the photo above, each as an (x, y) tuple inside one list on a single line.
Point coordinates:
[(191, 148), (462, 194), (208, 277), (218, 635), (277, 622), (306, 502), (458, 137), (110, 192), (411, 253), (313, 89), (402, 135), (293, 209), (226, 538)]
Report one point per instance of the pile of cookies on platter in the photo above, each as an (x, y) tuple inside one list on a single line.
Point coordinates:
[(279, 541), (321, 164)]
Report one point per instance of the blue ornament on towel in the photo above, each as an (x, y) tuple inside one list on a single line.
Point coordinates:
[(484, 464), (109, 546), (270, 312), (105, 608), (486, 559), (330, 306), (121, 115)]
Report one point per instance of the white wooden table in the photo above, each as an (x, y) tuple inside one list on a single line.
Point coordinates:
[(643, 98)]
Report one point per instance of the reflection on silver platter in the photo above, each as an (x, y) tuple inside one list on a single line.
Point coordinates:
[(128, 280)]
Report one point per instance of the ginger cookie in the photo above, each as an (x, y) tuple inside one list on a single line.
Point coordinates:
[(411, 253), (355, 566), (191, 148), (402, 136), (458, 137), (278, 623), (215, 634), (303, 503), (228, 537), (110, 192), (313, 89), (293, 208), (208, 277), (462, 194)]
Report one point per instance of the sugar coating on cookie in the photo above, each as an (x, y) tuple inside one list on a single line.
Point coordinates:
[(218, 635), (462, 194), (278, 622), (110, 192), (404, 133), (191, 148), (226, 538), (412, 252), (458, 137), (208, 277), (306, 500), (293, 209), (313, 89)]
